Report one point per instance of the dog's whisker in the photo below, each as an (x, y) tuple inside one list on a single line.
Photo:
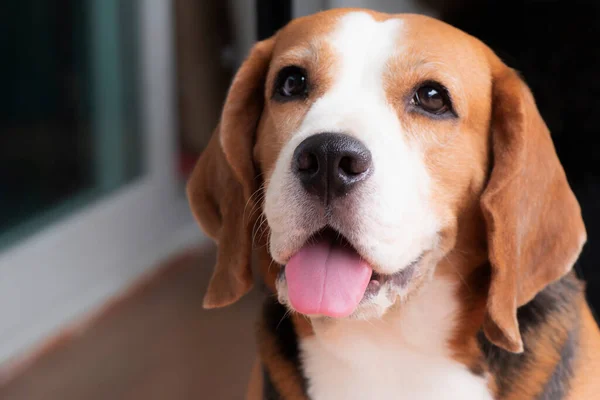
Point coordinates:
[(257, 232), (285, 315), (457, 271), (256, 210), (255, 200), (250, 200), (270, 265)]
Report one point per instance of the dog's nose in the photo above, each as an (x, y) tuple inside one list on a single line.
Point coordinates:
[(330, 164)]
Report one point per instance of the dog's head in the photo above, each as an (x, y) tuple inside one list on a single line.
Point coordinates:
[(368, 151)]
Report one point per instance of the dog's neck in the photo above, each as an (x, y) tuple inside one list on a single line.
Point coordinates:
[(408, 352)]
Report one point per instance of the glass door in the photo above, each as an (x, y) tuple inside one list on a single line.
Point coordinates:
[(68, 131), (89, 195)]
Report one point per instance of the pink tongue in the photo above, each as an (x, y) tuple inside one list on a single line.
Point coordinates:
[(326, 279)]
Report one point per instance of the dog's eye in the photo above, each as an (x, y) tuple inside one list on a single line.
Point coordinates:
[(432, 98), (291, 82)]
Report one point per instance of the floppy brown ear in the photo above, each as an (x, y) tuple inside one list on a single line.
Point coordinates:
[(534, 225), (223, 180)]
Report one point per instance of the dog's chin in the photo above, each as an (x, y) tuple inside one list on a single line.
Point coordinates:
[(383, 292)]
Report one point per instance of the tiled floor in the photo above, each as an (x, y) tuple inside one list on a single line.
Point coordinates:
[(155, 342)]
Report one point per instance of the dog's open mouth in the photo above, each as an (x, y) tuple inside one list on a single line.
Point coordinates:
[(327, 276)]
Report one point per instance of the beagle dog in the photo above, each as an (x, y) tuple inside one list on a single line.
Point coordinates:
[(409, 214)]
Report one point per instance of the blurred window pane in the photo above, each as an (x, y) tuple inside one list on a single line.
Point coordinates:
[(68, 105)]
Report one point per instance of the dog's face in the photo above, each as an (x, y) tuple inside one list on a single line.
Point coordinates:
[(374, 131), (376, 147)]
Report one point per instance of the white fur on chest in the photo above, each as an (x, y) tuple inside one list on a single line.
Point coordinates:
[(403, 356)]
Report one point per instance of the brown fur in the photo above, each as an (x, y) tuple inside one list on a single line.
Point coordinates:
[(587, 365), (532, 241), (223, 181), (255, 384)]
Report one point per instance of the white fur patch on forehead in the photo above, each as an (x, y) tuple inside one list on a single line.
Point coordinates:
[(356, 101), (363, 44)]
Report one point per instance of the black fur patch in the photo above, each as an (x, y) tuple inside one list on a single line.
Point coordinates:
[(280, 326), (556, 300), (269, 390), (558, 385)]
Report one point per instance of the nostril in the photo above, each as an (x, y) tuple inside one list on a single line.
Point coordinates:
[(348, 167), (354, 165), (307, 162)]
